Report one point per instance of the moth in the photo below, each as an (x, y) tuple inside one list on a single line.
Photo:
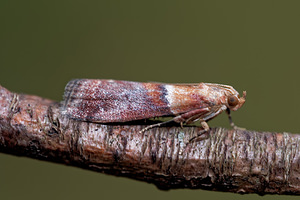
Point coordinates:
[(108, 101)]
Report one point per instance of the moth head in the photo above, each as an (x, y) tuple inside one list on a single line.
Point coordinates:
[(234, 101)]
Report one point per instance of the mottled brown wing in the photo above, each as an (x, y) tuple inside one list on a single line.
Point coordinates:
[(114, 101)]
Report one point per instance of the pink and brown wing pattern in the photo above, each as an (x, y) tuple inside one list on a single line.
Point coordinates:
[(114, 101)]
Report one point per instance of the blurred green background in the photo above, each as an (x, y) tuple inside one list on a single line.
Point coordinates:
[(251, 45)]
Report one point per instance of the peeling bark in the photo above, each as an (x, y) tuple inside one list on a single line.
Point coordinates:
[(239, 161)]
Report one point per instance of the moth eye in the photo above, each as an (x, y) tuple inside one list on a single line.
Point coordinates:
[(232, 100)]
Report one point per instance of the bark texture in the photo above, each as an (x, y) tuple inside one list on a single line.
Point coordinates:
[(240, 161)]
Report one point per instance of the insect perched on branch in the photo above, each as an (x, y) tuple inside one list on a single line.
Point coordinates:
[(107, 101)]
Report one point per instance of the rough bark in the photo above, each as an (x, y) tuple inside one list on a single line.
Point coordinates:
[(239, 161)]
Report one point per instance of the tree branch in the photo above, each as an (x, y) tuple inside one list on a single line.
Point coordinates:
[(239, 161)]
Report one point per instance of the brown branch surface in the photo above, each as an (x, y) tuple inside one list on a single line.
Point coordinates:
[(239, 161)]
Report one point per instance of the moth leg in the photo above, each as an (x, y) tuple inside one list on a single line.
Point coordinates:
[(231, 122), (203, 118), (181, 124), (195, 118), (204, 125), (202, 114), (190, 116), (181, 119), (202, 135), (155, 125), (230, 118)]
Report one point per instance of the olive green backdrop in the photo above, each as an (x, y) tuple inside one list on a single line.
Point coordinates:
[(251, 45)]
